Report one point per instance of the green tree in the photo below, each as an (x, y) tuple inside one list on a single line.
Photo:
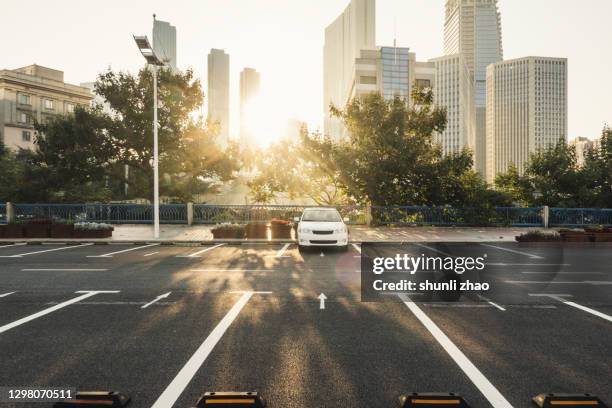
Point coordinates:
[(597, 173)]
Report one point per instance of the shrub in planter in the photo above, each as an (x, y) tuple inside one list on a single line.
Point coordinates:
[(228, 231), (92, 230), (538, 236), (62, 230), (280, 229), (255, 229), (37, 228)]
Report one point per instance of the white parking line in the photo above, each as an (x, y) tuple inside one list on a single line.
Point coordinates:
[(184, 376), (357, 248), (532, 256), (110, 255), (195, 254), (62, 270), (12, 245), (6, 294), (561, 299), (480, 381), (281, 252), (86, 294), (160, 297), (151, 253), (46, 250), (489, 301)]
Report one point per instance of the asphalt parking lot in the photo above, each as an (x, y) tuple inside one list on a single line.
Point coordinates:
[(167, 323)]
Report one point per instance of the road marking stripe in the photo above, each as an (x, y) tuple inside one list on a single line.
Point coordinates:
[(357, 248), (560, 298), (195, 254), (514, 251), (6, 294), (12, 245), (480, 381), (489, 301), (110, 255), (151, 253), (47, 250), (184, 376), (62, 270), (281, 252), (160, 297), (85, 295)]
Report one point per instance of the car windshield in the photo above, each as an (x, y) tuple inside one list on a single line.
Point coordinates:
[(321, 216)]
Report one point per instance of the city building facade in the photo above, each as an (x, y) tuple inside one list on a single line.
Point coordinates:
[(34, 94), (583, 145), (219, 92), (249, 90), (352, 31), (453, 90), (472, 29), (390, 71), (164, 42), (526, 110)]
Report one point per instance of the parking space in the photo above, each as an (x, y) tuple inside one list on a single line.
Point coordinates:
[(166, 323)]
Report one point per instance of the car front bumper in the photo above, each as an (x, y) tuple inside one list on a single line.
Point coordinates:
[(310, 239)]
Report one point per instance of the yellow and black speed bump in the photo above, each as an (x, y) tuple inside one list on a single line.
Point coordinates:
[(432, 400), (94, 399), (231, 400), (567, 400)]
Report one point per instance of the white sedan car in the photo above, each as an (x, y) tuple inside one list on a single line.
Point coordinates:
[(322, 227)]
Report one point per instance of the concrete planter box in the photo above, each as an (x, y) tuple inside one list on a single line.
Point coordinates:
[(11, 231), (576, 237), (257, 230), (62, 231), (92, 233), (228, 233), (37, 230), (280, 231), (602, 236)]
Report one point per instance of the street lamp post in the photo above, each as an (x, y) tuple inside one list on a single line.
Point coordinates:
[(147, 51)]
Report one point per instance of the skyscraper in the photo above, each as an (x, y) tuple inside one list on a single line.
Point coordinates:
[(218, 91), (249, 89), (526, 110), (352, 31), (472, 29), (164, 42)]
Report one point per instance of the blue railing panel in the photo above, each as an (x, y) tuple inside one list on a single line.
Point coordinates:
[(580, 217), (56, 212)]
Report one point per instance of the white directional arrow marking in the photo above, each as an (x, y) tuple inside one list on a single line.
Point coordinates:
[(322, 298), (165, 295), (6, 294)]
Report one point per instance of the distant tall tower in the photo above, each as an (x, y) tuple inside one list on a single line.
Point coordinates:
[(164, 42), (218, 91), (473, 30), (249, 89), (352, 31)]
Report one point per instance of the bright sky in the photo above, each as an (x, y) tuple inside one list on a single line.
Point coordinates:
[(283, 40)]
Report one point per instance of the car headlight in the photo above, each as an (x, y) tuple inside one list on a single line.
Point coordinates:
[(305, 230), (340, 230)]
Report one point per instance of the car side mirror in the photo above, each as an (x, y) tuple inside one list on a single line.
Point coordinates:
[(346, 219), (296, 219)]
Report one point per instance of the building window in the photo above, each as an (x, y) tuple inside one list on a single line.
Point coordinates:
[(26, 136), (70, 107), (49, 104), (368, 80), (23, 117), (24, 99)]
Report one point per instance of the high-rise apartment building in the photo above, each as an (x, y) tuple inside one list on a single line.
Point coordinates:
[(583, 145), (219, 92), (351, 32), (391, 71), (34, 93), (454, 90), (249, 89), (164, 42), (526, 110), (472, 29)]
